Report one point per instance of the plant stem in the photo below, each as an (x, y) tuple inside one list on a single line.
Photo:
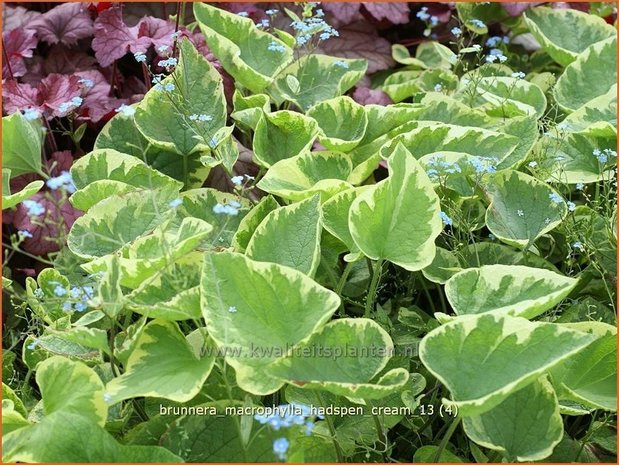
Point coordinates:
[(446, 438), (369, 300), (329, 420), (340, 285)]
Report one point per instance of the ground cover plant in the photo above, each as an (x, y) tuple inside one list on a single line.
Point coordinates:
[(338, 232)]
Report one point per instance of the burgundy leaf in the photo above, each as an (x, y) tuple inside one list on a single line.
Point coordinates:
[(66, 23), (112, 37), (46, 97), (516, 8), (441, 10), (56, 89), (14, 17), (18, 44), (17, 96), (96, 94), (367, 96), (63, 60), (360, 40), (157, 30), (343, 12), (251, 9), (582, 6), (45, 236), (397, 13)]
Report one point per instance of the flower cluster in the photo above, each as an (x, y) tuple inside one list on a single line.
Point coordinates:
[(168, 63), (604, 155), (202, 117), (312, 26), (77, 297), (126, 110), (483, 164), (64, 181), (157, 80), (287, 416), (494, 55), (72, 104), (31, 114), (447, 221), (275, 47), (230, 209), (494, 41), (33, 208)]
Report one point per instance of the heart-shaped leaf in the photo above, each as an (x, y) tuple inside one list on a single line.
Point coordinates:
[(257, 311), (289, 236), (531, 415), (482, 359), (164, 363), (507, 289), (398, 218), (565, 33)]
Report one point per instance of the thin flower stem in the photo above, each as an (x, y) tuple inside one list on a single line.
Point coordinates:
[(369, 301)]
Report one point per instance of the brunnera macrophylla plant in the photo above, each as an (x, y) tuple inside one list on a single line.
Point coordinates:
[(429, 280)]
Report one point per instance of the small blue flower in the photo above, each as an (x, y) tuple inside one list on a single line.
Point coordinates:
[(70, 105), (31, 114), (493, 41), (64, 181), (243, 14), (492, 237), (169, 87), (232, 309), (126, 110), (272, 12), (556, 198), (580, 186), (423, 14), (264, 23), (107, 397), (532, 164), (175, 203), (547, 221), (237, 180), (280, 447), (89, 291), (520, 213), (275, 47), (446, 220), (168, 63), (341, 64), (438, 88), (309, 427), (577, 245), (34, 208), (33, 344), (80, 307), (456, 31), (75, 292), (24, 234), (163, 48), (38, 293), (60, 290), (478, 23), (225, 209), (86, 82), (518, 75), (66, 306), (139, 57), (602, 157), (571, 206)]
